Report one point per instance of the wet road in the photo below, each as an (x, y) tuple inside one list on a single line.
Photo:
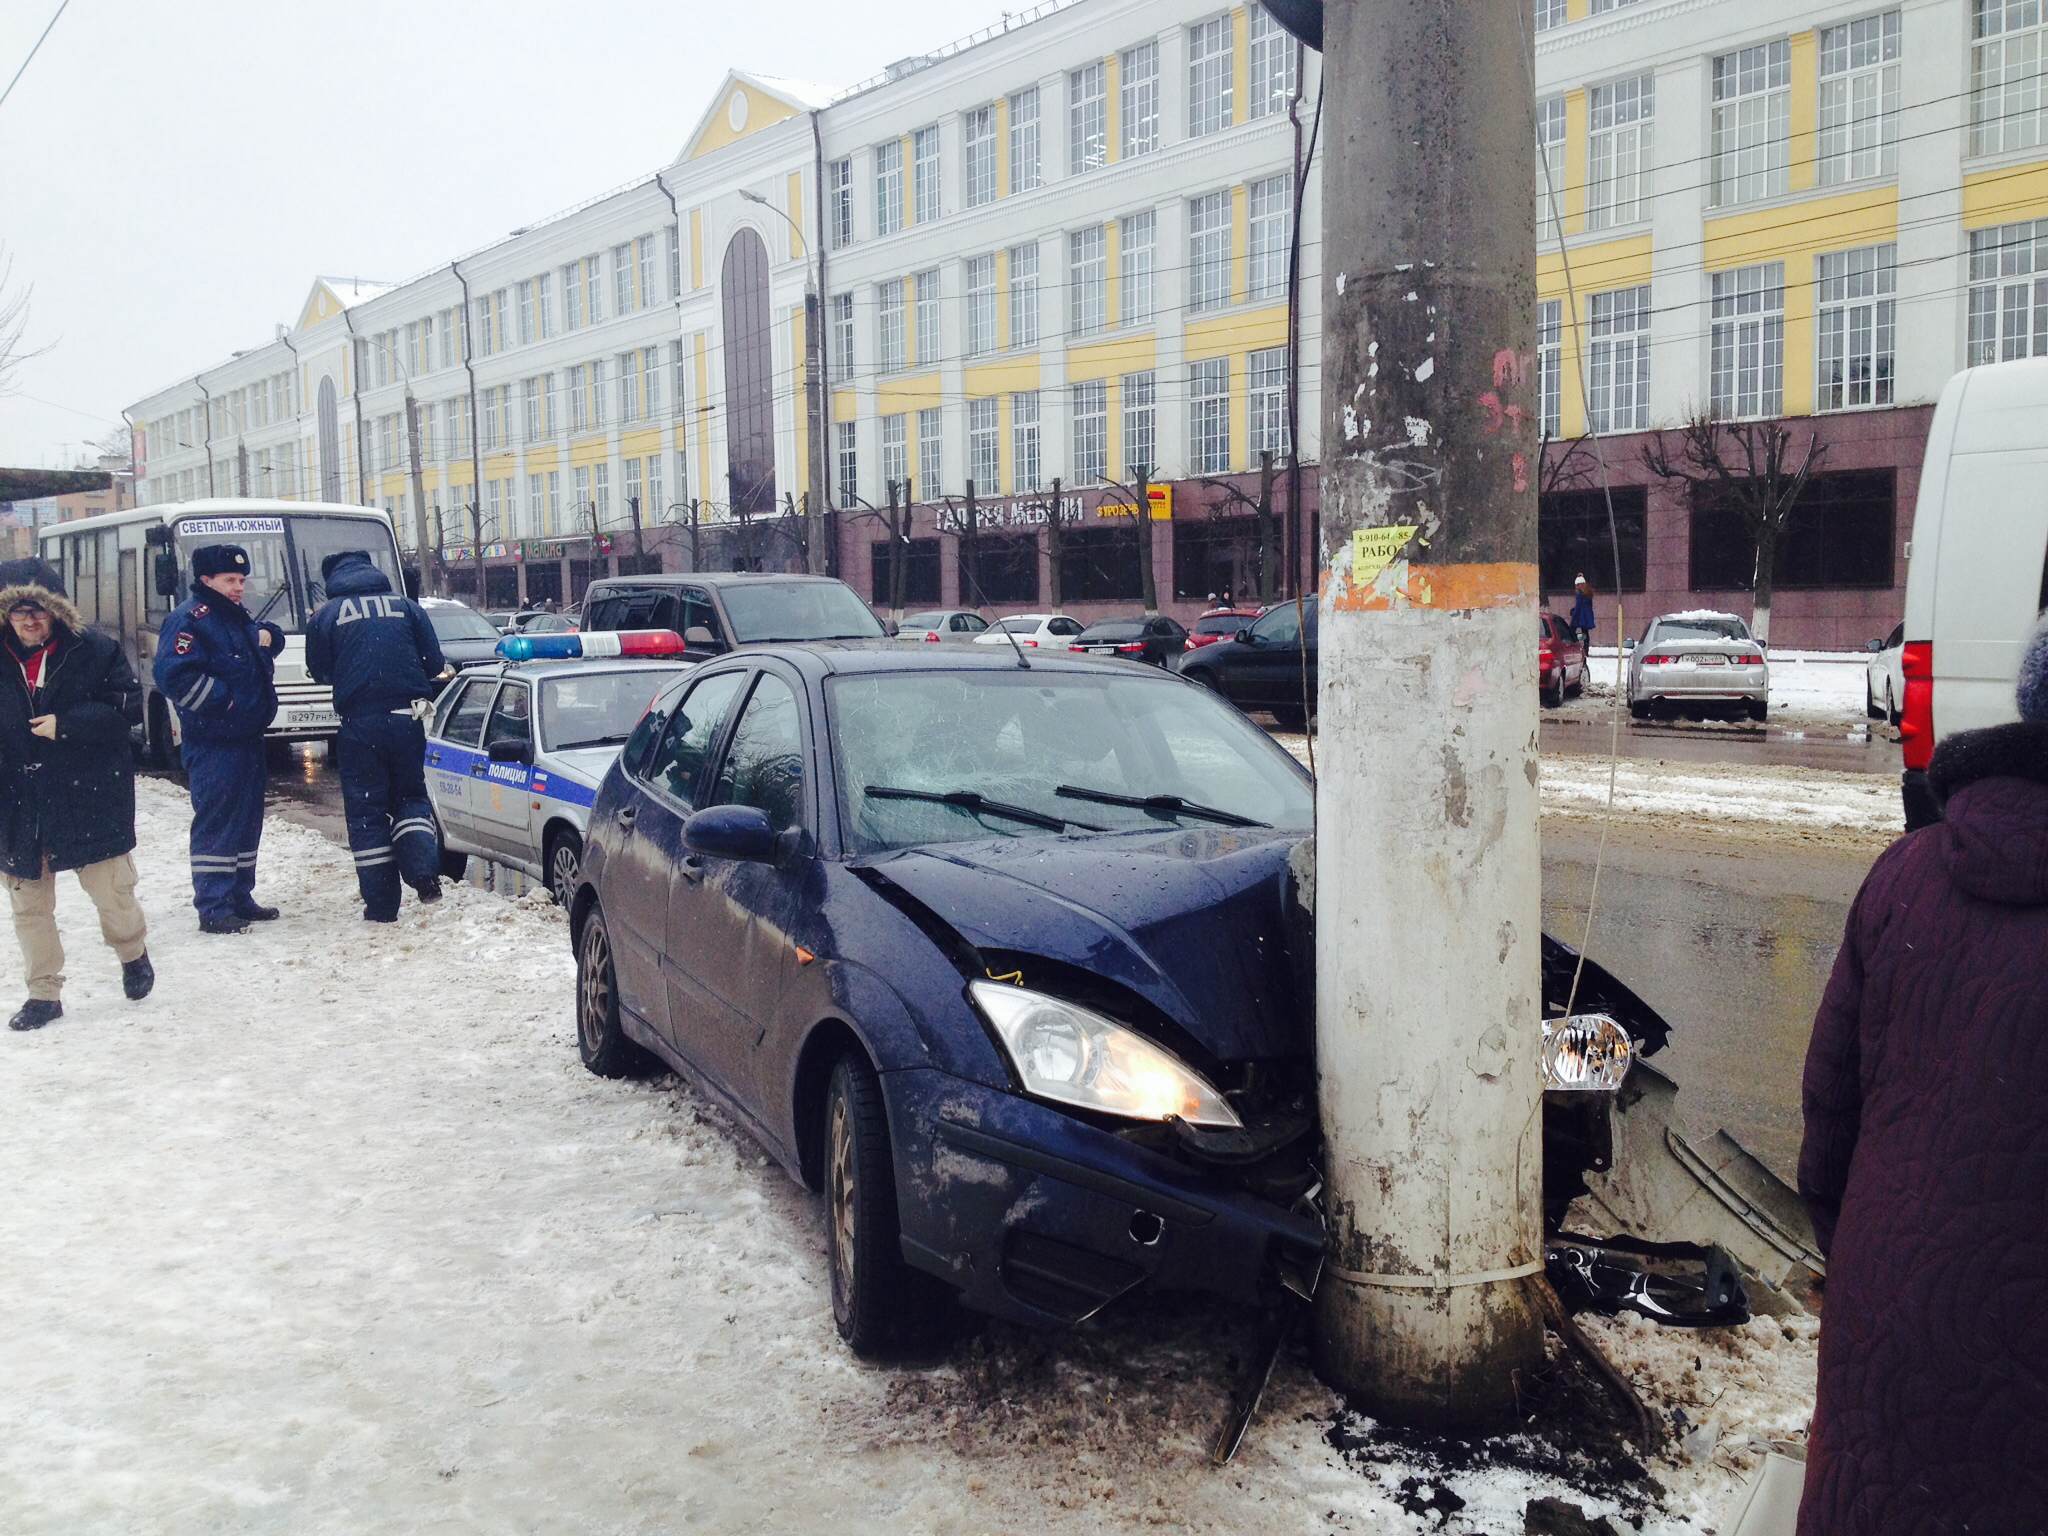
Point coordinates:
[(1731, 940), (1687, 742)]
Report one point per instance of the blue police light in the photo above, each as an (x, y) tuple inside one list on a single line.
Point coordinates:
[(617, 642)]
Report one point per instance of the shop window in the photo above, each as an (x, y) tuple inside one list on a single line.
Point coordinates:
[(1573, 538)]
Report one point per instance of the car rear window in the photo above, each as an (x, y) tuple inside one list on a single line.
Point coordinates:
[(1114, 629), (1222, 624), (1701, 629)]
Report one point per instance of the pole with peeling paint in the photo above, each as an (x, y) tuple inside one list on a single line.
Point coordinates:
[(1428, 1012)]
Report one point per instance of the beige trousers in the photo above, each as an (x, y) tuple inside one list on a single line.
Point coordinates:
[(111, 885)]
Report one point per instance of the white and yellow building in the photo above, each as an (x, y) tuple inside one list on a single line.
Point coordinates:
[(1060, 250)]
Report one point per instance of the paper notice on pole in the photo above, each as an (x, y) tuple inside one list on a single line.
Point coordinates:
[(1374, 549)]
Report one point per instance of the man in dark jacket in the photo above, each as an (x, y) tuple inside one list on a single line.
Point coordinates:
[(67, 784), (380, 653), (1925, 1164), (215, 663)]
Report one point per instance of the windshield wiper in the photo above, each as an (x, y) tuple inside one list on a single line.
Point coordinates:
[(578, 746), (1170, 803), (981, 805)]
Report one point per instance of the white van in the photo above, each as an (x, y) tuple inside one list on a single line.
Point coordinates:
[(1978, 574)]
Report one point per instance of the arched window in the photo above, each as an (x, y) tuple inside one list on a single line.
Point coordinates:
[(749, 374), (330, 444)]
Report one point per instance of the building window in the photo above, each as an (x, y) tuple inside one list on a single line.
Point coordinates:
[(895, 451), (543, 308), (1752, 119), (842, 332), (1087, 281), (1024, 166), (1858, 327), (1266, 401), (1621, 115), (1209, 77), (650, 382), (643, 249), (601, 492), (1747, 373), (597, 394), (847, 450), (1549, 13), (1023, 296), (530, 409), (1272, 230), (1549, 166), (1273, 59), (1549, 369), (1209, 416), (889, 187), (1209, 251), (980, 283), (927, 318), (655, 494), (629, 387), (1087, 118), (1026, 451), (2008, 53), (924, 164), (1859, 99), (1091, 432), (1620, 360), (579, 399), (674, 237), (979, 135), (1139, 88), (1001, 568), (1099, 564), (572, 296), (1575, 537), (1141, 432), (920, 570), (582, 493), (839, 200), (622, 279), (634, 504), (1137, 235), (525, 292), (1840, 534), (2008, 293), (931, 452), (984, 443), (889, 337), (593, 289)]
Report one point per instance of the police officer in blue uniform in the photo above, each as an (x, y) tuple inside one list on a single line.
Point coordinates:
[(215, 663), (379, 651)]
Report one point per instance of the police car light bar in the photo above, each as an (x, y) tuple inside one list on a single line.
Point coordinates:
[(620, 642)]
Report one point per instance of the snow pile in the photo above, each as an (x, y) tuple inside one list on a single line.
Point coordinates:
[(334, 1234)]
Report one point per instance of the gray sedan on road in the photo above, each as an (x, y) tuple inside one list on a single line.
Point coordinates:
[(1697, 664)]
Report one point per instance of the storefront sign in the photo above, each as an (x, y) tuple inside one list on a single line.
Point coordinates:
[(1159, 498)]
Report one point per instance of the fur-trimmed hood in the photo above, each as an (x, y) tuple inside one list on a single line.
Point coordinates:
[(1993, 786), (58, 604)]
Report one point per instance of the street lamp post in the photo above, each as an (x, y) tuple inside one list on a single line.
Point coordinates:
[(814, 397)]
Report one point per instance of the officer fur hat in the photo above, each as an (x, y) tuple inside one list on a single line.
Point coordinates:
[(329, 565), (2033, 689), (219, 560)]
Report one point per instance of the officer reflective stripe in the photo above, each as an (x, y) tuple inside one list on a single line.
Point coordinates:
[(221, 861), (197, 694), (374, 856), (245, 861), (412, 825)]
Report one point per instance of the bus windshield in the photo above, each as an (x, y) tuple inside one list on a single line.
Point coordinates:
[(284, 558)]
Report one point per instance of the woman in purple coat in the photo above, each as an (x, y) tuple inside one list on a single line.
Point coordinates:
[(1926, 1161)]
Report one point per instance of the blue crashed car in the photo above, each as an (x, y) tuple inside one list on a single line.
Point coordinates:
[(1005, 955)]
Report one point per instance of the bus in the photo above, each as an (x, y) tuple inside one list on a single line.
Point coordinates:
[(126, 571)]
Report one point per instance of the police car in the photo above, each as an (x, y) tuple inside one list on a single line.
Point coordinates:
[(516, 750)]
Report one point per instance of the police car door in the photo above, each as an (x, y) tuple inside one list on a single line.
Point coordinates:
[(501, 801), (453, 749)]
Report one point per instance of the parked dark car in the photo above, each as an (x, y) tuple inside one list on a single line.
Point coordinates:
[(1155, 640), (716, 611), (1261, 666), (1010, 961), (468, 638)]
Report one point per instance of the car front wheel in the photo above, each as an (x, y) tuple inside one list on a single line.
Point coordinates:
[(878, 1302), (564, 862), (600, 1039)]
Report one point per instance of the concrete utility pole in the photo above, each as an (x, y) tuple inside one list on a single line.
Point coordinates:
[(1427, 879), (428, 574)]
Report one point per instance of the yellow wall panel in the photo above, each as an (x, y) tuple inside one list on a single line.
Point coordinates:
[(1011, 377), (1108, 359), (499, 465), (2006, 195), (1240, 65), (588, 450), (1577, 10), (1790, 233), (633, 445), (1804, 140), (1248, 330), (796, 214), (1595, 268), (1571, 193), (910, 392), (763, 111), (845, 405)]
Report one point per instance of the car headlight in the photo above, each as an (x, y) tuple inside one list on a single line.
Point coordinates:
[(1072, 1055), (1586, 1053)]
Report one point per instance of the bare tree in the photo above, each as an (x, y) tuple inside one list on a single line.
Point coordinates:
[(1138, 497), (1565, 464), (14, 348), (1748, 465), (1264, 519)]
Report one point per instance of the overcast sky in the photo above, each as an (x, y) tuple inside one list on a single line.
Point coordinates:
[(173, 176)]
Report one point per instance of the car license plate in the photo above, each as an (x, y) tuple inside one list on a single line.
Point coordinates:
[(311, 718), (1710, 661), (1101, 650)]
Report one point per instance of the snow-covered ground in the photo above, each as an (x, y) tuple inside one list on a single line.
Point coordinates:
[(334, 1234)]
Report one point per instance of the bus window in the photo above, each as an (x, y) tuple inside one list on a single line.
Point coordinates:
[(108, 601)]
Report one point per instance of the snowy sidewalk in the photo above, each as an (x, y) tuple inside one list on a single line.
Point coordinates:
[(334, 1234)]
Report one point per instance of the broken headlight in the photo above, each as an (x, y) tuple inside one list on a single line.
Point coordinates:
[(1071, 1055), (1586, 1053)]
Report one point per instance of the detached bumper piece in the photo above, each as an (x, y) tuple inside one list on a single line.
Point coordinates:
[(1680, 1285)]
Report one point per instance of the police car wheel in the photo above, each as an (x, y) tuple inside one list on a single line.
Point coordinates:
[(564, 863), (600, 1040)]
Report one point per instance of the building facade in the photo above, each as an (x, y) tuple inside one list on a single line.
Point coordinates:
[(1076, 253)]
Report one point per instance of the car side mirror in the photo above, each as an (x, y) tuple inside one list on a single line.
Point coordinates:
[(698, 638), (1875, 647), (740, 832), (166, 571), (1245, 637), (511, 752)]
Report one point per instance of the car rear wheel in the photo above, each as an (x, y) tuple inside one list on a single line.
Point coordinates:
[(600, 1039), (1638, 710), (878, 1302), (1553, 695), (1871, 708), (563, 862), (1759, 710)]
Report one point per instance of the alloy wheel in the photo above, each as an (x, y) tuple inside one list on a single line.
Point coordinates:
[(596, 997), (563, 865), (844, 1189)]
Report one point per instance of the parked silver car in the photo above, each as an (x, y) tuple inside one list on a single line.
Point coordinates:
[(1696, 664), (955, 626), (515, 753)]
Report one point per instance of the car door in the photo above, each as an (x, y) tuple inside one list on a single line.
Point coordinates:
[(1266, 670), (501, 798), (454, 746), (648, 839), (730, 921), (1163, 640), (702, 631)]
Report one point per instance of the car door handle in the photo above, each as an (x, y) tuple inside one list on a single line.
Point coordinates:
[(625, 816), (690, 867)]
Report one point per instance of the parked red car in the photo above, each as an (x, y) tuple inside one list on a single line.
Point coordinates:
[(1219, 624), (1560, 660)]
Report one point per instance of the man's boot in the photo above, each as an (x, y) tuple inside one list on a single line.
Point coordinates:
[(256, 912), (137, 977), (429, 889), (228, 924), (35, 1013)]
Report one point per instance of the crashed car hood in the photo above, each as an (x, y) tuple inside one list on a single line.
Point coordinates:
[(1193, 921)]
